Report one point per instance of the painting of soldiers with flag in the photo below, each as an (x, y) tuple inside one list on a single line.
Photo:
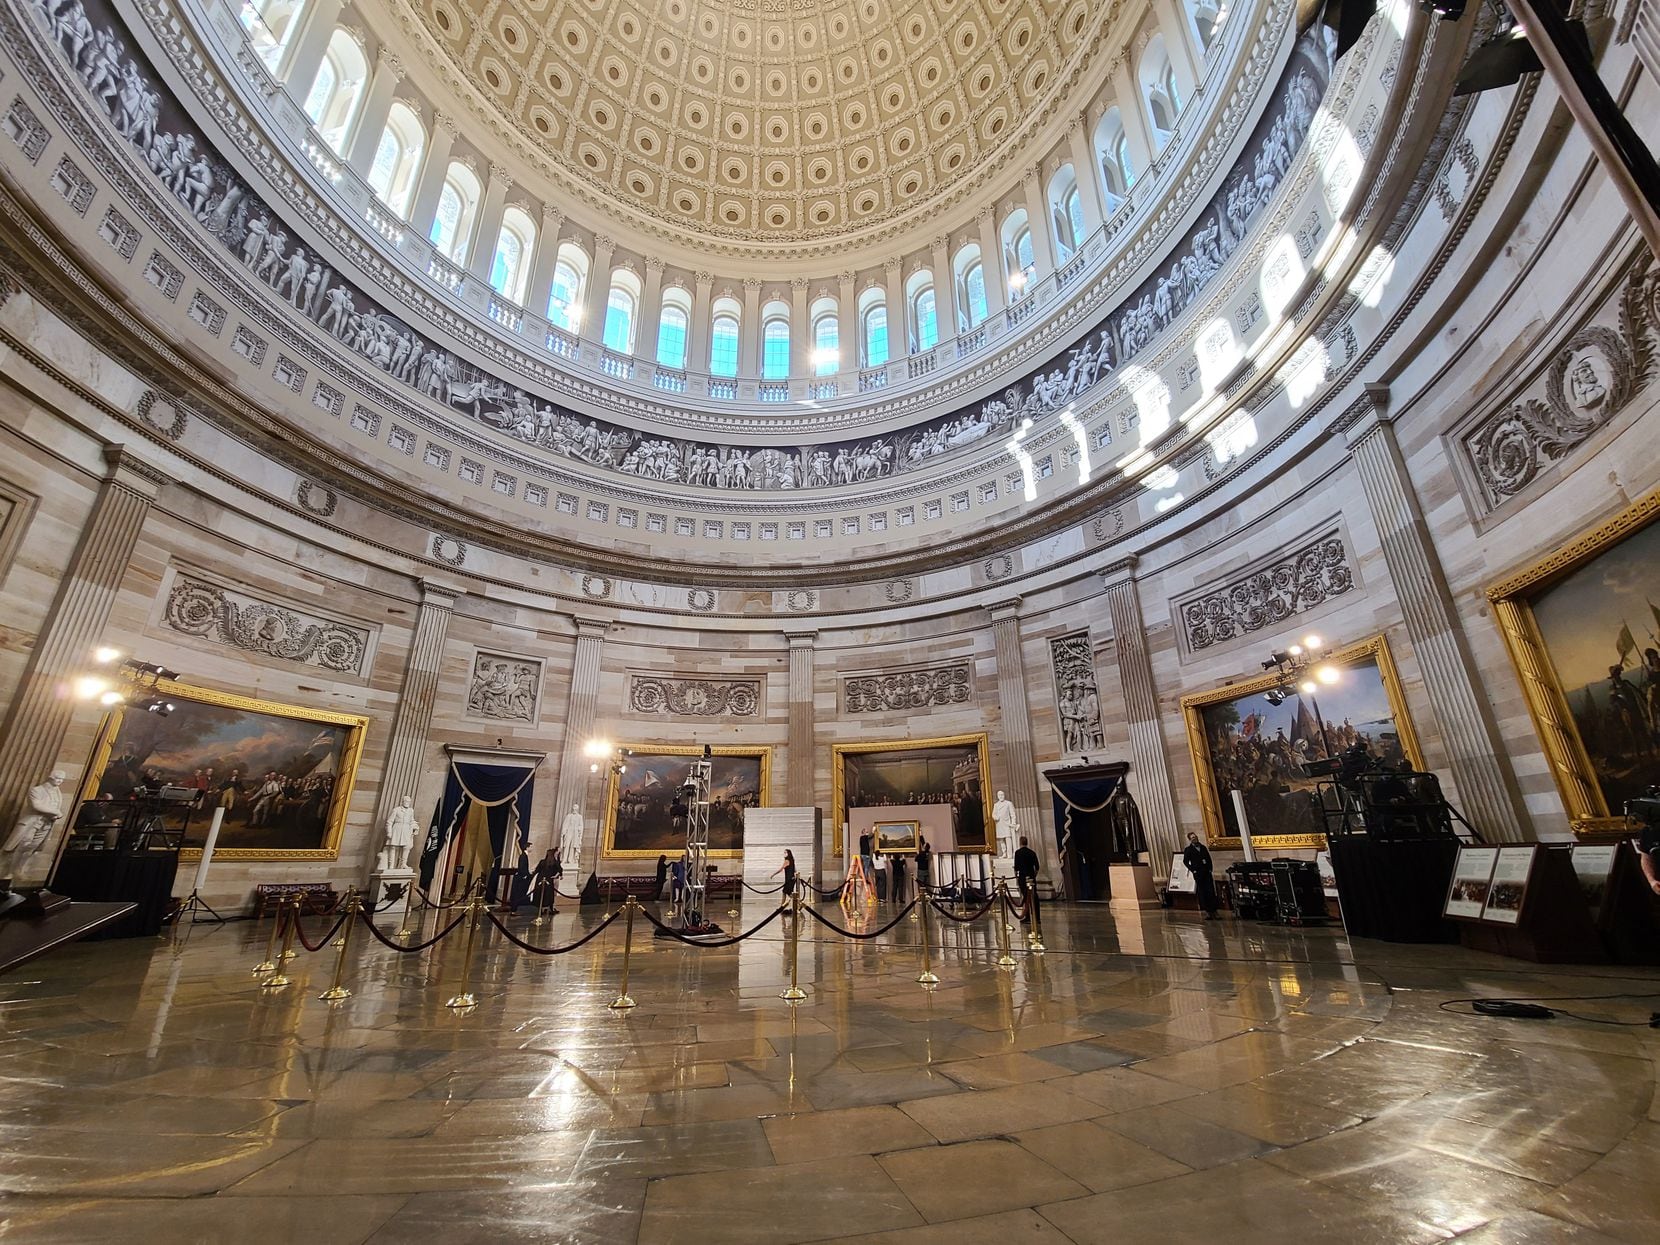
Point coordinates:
[(1583, 627), (1242, 741), (646, 808)]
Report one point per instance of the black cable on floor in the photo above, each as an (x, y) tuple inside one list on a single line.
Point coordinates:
[(1527, 1007)]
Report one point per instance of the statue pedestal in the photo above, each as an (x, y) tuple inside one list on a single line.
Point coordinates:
[(380, 880), (1132, 888)]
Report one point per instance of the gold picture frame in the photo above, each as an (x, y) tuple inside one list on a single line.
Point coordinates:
[(838, 774), (342, 755), (896, 838), (660, 840), (1512, 599), (1375, 649)]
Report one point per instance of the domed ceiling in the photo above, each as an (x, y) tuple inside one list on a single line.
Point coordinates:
[(768, 120)]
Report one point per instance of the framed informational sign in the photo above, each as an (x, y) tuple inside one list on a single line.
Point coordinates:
[(1181, 881), (1472, 879), (1509, 890), (1328, 875), (1593, 863)]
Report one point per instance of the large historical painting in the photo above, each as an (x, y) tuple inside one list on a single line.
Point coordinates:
[(950, 771), (1240, 741), (1583, 627), (639, 820), (284, 773)]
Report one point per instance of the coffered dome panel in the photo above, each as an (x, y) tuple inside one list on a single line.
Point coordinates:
[(793, 119)]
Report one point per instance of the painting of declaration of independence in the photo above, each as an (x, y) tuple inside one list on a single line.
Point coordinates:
[(1600, 627), (645, 810), (284, 774), (1242, 742)]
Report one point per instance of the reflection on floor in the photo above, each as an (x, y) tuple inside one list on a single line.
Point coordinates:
[(1151, 1077)]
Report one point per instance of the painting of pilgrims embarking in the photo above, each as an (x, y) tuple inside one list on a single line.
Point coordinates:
[(1583, 628)]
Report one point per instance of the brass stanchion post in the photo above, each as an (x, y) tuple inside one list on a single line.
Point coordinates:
[(269, 963), (926, 977), (795, 993), (541, 917), (465, 999), (279, 979), (408, 898), (622, 1002), (1036, 940), (351, 893), (337, 991), (1004, 958)]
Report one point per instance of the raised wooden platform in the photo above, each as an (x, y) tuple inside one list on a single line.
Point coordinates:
[(26, 938)]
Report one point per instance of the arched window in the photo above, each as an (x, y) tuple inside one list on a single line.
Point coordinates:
[(452, 226), (1066, 210), (919, 296), (510, 268), (1207, 17), (397, 159), (971, 288), (1118, 171), (335, 91), (1018, 259), (1158, 87), (270, 25), (570, 275), (674, 327), (873, 327), (827, 337), (622, 306), (775, 341), (725, 323)]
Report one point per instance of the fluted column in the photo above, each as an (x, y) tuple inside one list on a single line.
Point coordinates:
[(697, 345), (490, 214), (801, 330), (798, 783), (651, 311), (749, 342), (548, 242), (435, 166), (1087, 169), (579, 729), (411, 724), (304, 54), (946, 310), (899, 340), (1180, 42), (1486, 790), (42, 708), (597, 292), (1043, 226), (1017, 729), (847, 312), (994, 265), (370, 123), (1149, 778), (1132, 110)]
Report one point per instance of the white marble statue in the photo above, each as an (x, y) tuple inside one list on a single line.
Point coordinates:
[(1008, 825), (570, 840), (400, 837), (41, 812)]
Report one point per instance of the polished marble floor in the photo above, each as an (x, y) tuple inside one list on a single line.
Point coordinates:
[(1149, 1078)]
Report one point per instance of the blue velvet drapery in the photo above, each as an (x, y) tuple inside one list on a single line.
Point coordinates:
[(502, 793), (1079, 797)]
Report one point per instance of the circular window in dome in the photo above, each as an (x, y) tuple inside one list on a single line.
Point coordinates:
[(893, 99), (492, 78), (737, 125), (901, 142), (732, 212), (1020, 36), (615, 71), (866, 203), (707, 26), (952, 158), (574, 37), (691, 159), (861, 159), (943, 116), (667, 53), (656, 98), (847, 70), (511, 35), (993, 122), (544, 121), (685, 201), (984, 80), (778, 129), (778, 217), (854, 116), (838, 27), (817, 125), (966, 38), (592, 155), (703, 69), (677, 9), (777, 173), (823, 213), (640, 184), (696, 115), (870, 10), (818, 172), (446, 23), (735, 171), (1036, 76), (777, 83)]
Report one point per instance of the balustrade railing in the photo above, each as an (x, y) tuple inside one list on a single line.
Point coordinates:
[(508, 315)]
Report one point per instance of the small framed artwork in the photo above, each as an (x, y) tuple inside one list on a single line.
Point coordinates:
[(283, 773), (896, 837)]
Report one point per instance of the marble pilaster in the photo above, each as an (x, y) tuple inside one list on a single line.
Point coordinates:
[(579, 728), (798, 783), (1020, 763)]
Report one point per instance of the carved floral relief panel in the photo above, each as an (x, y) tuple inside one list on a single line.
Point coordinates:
[(1296, 579), (221, 614), (693, 698), (908, 689)]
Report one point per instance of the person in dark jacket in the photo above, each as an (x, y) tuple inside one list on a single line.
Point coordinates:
[(1196, 859), (1025, 875), (662, 876)]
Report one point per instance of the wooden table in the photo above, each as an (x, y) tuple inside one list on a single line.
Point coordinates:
[(23, 938)]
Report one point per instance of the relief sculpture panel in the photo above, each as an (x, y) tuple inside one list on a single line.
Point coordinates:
[(1077, 699), (224, 615), (694, 698), (1306, 575), (908, 689)]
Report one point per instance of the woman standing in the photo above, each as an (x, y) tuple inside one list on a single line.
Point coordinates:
[(788, 870), (662, 876), (924, 866)]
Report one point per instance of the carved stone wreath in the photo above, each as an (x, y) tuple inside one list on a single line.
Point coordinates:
[(596, 586), (316, 499), (701, 599), (162, 414), (448, 549)]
